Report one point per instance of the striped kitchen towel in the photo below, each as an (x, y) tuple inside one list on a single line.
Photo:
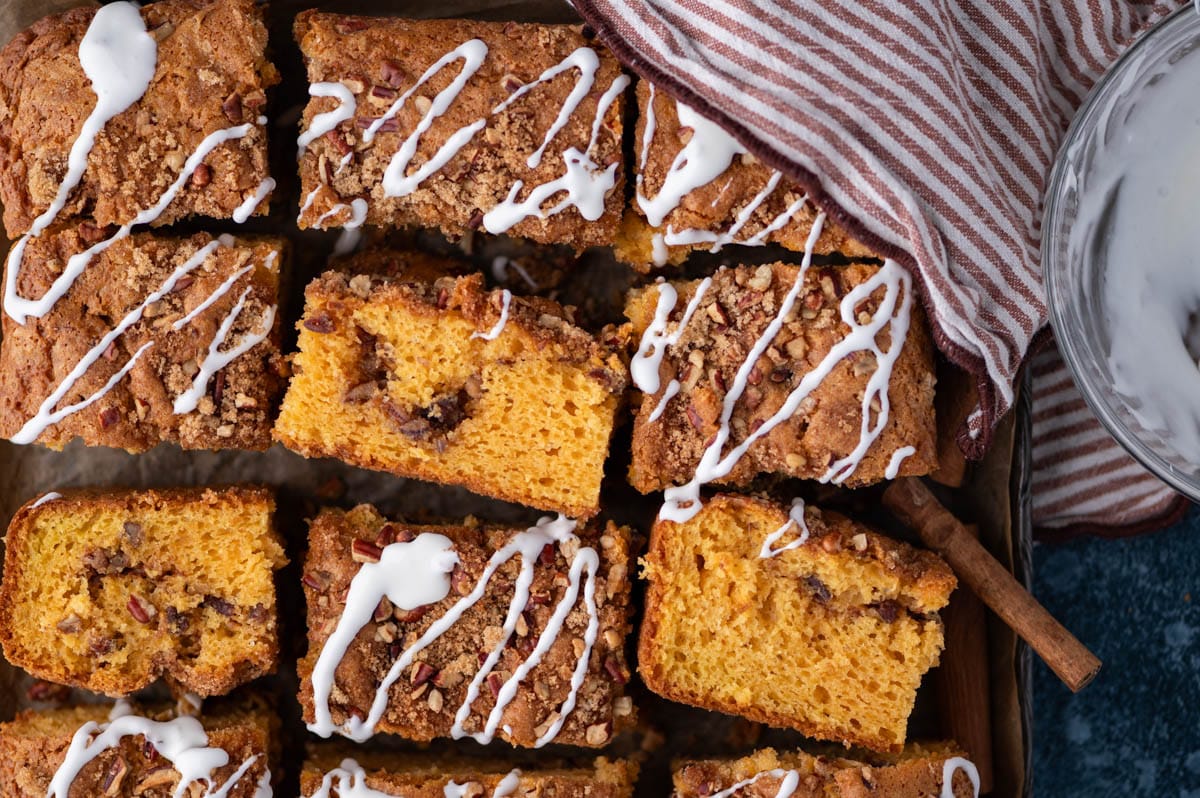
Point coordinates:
[(927, 128)]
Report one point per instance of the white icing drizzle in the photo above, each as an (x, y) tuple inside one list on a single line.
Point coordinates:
[(952, 766), (349, 780), (646, 362), (119, 58), (508, 785), (586, 185), (181, 741), (705, 157), (327, 121), (587, 62), (789, 781), (357, 208), (263, 789), (308, 201), (648, 134), (251, 203), (416, 574), (216, 360), (396, 183), (707, 154), (410, 575), (898, 457), (20, 308), (500, 267), (347, 240), (668, 395), (795, 516), (222, 289), (683, 502), (46, 415), (49, 497), (498, 327)]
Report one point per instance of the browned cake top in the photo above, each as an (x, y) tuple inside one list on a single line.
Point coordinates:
[(169, 363), (34, 746), (745, 203), (211, 74), (483, 138), (814, 381), (456, 655)]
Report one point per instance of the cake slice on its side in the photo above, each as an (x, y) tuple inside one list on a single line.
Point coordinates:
[(466, 631), (697, 188), (136, 751), (450, 383), (804, 620), (919, 771), (330, 773), (110, 589)]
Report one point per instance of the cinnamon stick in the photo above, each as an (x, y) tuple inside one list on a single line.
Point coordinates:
[(913, 504), (964, 695)]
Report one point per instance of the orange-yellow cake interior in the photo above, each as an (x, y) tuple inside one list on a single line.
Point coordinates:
[(831, 638), (109, 590), (521, 417)]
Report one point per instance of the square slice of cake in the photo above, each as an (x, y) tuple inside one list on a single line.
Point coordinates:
[(451, 383), (813, 372), (800, 619), (466, 631), (127, 751), (329, 774), (699, 189), (156, 339), (461, 125), (180, 131), (110, 589), (920, 771)]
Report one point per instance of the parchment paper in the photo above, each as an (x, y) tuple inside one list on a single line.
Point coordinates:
[(593, 282)]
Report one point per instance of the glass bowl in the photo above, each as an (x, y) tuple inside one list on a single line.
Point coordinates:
[(1074, 275)]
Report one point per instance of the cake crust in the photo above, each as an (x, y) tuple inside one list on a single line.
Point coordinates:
[(423, 703), (109, 589), (735, 310), (379, 60), (212, 73), (232, 409)]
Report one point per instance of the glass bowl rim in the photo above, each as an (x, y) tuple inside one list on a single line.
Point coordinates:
[(1056, 285)]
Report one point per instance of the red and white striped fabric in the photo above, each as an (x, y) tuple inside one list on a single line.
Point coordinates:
[(928, 129)]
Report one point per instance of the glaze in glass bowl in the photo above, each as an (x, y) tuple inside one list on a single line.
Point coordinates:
[(1074, 275)]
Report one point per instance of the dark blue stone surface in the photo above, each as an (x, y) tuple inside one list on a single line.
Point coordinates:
[(1135, 731)]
